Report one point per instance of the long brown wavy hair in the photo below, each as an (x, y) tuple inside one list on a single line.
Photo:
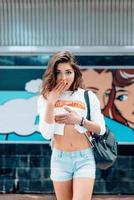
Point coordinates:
[(49, 77)]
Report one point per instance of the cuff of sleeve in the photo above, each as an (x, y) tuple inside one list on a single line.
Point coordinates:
[(103, 130)]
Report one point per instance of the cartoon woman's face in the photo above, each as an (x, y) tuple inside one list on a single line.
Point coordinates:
[(124, 102), (99, 83)]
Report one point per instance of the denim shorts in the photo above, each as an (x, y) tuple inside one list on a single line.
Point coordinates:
[(69, 165)]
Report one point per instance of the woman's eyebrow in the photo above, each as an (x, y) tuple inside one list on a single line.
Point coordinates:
[(69, 70), (65, 70)]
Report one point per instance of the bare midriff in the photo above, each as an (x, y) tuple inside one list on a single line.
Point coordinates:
[(72, 140)]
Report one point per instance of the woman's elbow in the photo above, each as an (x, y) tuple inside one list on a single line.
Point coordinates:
[(102, 128), (46, 133)]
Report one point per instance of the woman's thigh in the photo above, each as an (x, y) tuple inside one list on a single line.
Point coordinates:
[(83, 188), (63, 190)]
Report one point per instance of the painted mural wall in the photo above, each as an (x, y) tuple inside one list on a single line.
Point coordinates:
[(19, 90), (115, 90)]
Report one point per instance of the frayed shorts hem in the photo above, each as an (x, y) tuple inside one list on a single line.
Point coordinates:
[(69, 179)]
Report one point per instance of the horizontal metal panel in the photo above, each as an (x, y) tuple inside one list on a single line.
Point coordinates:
[(61, 23), (78, 50)]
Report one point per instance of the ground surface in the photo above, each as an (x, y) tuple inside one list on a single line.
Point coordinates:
[(52, 197)]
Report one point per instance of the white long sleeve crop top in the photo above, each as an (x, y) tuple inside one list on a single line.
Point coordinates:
[(76, 102)]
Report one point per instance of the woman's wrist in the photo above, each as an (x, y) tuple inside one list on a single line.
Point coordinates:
[(82, 121)]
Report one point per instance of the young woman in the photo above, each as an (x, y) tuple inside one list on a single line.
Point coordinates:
[(62, 110)]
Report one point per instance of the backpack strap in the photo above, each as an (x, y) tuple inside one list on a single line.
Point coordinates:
[(86, 96)]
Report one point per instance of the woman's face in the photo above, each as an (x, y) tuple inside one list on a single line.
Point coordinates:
[(124, 102), (99, 83), (65, 72)]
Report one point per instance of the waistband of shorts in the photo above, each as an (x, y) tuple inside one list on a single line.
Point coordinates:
[(78, 153)]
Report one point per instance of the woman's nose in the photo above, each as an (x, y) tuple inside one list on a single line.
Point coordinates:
[(63, 76)]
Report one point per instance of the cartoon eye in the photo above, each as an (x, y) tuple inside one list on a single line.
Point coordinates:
[(122, 97), (95, 92), (107, 93)]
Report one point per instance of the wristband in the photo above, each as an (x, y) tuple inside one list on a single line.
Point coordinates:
[(82, 122)]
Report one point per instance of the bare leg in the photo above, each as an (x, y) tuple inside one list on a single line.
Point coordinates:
[(63, 190), (82, 188)]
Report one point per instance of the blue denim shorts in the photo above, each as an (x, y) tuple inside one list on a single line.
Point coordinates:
[(69, 165)]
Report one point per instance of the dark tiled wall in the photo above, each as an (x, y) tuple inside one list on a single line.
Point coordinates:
[(25, 168)]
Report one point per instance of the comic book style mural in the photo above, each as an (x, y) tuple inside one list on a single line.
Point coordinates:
[(18, 114), (115, 90), (19, 90)]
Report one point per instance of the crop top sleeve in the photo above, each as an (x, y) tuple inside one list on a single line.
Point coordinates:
[(46, 129)]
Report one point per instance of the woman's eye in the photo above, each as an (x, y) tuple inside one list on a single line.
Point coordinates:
[(68, 72), (122, 97), (57, 72)]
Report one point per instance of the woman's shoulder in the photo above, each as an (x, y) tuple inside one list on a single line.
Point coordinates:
[(40, 103), (41, 99), (80, 90), (93, 97), (91, 94)]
